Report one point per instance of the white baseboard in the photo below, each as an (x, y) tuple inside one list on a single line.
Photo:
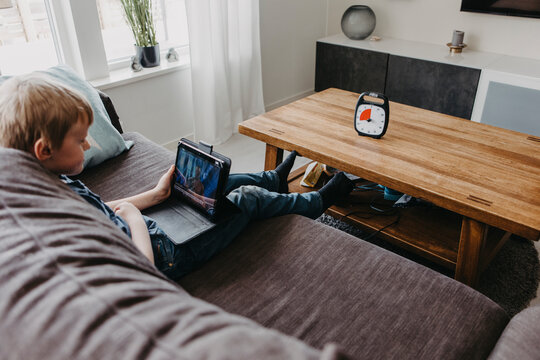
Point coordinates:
[(290, 99), (172, 145)]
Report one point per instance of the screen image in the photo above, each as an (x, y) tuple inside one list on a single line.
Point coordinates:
[(197, 179), (528, 8)]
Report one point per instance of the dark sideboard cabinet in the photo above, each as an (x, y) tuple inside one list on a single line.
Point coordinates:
[(349, 68), (444, 88)]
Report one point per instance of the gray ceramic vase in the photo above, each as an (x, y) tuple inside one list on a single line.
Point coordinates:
[(358, 22)]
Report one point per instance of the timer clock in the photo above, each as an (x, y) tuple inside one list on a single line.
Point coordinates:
[(371, 115)]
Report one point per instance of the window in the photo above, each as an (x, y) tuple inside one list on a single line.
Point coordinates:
[(88, 35), (27, 42), (169, 18)]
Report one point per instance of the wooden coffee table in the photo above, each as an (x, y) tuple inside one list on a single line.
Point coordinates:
[(484, 180)]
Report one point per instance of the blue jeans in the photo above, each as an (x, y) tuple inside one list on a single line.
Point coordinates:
[(255, 195)]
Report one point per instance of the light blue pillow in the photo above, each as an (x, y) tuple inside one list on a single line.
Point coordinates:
[(106, 142)]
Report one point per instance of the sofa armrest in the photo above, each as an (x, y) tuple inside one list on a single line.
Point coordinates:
[(109, 106), (521, 337)]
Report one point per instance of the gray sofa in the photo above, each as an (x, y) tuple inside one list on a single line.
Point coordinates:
[(73, 286)]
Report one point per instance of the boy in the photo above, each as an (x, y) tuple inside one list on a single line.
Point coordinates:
[(51, 122)]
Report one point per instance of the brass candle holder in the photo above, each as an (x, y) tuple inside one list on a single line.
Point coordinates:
[(456, 49)]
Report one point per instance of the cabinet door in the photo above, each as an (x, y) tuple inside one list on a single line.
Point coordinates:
[(444, 88), (349, 68)]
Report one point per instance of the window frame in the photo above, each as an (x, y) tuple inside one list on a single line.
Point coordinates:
[(76, 31), (80, 38)]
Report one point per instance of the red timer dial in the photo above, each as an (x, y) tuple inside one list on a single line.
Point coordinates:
[(371, 117)]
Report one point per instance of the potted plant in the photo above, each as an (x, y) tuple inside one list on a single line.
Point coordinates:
[(138, 15)]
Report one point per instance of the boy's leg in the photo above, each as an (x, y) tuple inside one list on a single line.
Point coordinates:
[(179, 260), (273, 180), (259, 203), (266, 179)]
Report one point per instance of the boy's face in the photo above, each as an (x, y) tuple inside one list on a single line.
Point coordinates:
[(69, 158)]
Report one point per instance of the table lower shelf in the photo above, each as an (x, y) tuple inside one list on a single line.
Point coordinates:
[(428, 231)]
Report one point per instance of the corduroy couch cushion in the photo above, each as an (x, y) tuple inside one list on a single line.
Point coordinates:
[(73, 286), (320, 285)]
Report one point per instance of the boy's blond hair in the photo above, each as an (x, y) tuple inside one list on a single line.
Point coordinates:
[(35, 106)]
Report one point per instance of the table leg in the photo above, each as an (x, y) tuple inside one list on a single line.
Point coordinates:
[(471, 244), (274, 157)]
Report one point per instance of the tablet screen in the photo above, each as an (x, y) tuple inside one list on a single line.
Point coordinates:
[(197, 178)]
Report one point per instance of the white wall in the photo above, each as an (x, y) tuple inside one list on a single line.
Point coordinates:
[(289, 31), (433, 21), (160, 108)]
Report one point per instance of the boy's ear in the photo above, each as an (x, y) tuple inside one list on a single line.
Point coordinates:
[(42, 150)]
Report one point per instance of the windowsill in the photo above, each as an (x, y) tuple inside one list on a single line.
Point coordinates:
[(125, 75)]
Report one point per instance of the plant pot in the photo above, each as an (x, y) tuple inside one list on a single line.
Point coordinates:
[(148, 56), (358, 22)]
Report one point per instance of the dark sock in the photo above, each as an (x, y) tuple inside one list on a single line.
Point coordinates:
[(283, 171), (339, 186)]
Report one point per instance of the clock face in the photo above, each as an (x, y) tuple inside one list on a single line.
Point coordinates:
[(370, 119)]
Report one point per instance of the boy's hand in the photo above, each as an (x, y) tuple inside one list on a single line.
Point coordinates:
[(127, 211), (137, 226), (162, 190), (154, 196)]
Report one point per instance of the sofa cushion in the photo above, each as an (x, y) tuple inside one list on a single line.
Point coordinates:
[(521, 338), (73, 286), (105, 139), (319, 284)]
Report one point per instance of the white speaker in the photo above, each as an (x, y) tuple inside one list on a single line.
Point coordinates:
[(508, 100)]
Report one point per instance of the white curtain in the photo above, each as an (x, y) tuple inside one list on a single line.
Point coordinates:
[(225, 65)]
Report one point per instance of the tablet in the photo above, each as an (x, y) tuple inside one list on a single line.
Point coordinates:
[(200, 177)]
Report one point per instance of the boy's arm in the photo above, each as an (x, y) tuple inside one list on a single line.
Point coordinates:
[(158, 194), (137, 226)]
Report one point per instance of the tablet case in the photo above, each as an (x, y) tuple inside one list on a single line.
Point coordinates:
[(181, 221)]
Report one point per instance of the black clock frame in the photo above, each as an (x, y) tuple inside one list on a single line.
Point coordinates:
[(384, 105)]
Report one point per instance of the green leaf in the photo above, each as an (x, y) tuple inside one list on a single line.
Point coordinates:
[(138, 15)]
